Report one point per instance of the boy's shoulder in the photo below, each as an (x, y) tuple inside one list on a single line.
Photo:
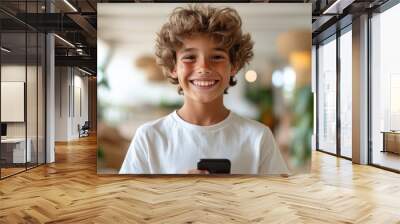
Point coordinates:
[(250, 124), (155, 125)]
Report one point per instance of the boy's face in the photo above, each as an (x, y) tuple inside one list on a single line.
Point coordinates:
[(202, 69)]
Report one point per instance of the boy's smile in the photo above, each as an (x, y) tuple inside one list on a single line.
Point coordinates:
[(204, 84), (202, 69)]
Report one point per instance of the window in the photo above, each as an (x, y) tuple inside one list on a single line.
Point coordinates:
[(22, 75), (327, 96), (346, 94), (385, 89)]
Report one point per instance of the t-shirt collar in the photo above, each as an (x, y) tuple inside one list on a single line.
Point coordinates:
[(216, 126)]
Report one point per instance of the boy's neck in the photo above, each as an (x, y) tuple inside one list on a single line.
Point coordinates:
[(203, 114)]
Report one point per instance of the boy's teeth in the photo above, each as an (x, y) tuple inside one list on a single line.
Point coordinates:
[(203, 83)]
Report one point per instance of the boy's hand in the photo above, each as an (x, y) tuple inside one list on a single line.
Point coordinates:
[(195, 171)]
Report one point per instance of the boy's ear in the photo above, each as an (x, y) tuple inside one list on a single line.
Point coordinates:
[(173, 73), (233, 71)]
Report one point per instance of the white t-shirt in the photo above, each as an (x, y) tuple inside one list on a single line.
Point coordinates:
[(171, 145)]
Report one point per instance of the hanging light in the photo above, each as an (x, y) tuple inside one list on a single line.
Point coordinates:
[(5, 49), (84, 71), (70, 5), (64, 40)]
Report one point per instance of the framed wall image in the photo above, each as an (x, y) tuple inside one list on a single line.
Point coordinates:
[(12, 101)]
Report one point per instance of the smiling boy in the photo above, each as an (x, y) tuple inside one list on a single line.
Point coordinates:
[(201, 49)]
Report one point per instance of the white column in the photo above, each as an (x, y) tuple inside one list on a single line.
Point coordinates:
[(50, 100)]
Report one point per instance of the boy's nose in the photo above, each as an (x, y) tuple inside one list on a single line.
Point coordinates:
[(203, 71), (203, 67)]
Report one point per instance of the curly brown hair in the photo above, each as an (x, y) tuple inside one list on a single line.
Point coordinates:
[(223, 25)]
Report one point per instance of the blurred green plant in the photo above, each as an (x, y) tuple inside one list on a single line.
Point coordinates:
[(300, 148), (100, 152), (262, 97), (170, 105), (302, 122), (102, 82)]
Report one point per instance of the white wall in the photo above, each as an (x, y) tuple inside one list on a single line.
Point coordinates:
[(33, 126), (16, 73), (62, 81), (69, 85), (79, 117)]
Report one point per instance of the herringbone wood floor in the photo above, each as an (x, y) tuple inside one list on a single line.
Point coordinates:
[(70, 191)]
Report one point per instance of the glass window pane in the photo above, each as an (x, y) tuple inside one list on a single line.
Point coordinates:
[(23, 88), (41, 98), (346, 94), (13, 86), (385, 86), (327, 97), (31, 97)]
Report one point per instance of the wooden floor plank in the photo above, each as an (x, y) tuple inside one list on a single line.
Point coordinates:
[(70, 191)]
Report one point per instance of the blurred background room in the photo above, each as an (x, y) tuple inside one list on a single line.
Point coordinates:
[(275, 88)]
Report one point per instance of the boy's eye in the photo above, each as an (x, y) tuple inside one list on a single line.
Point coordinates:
[(218, 57), (188, 58)]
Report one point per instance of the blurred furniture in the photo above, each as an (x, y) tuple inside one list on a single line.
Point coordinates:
[(13, 150), (84, 130), (391, 141), (112, 148)]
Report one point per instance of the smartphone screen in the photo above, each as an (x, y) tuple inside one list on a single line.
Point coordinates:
[(215, 165)]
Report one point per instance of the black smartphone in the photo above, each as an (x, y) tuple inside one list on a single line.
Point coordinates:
[(215, 165)]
